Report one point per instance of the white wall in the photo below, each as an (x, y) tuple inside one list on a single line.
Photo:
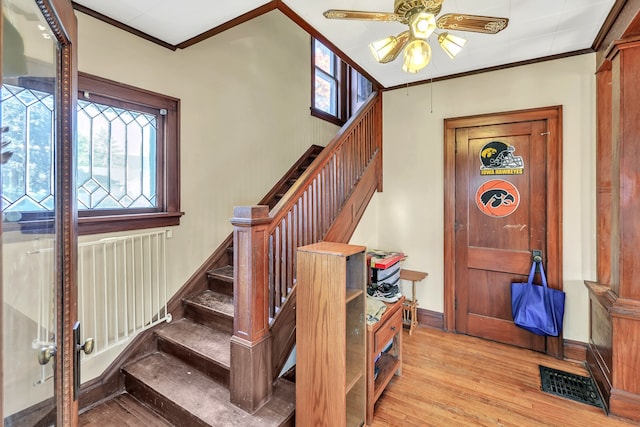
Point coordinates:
[(245, 97), (410, 213)]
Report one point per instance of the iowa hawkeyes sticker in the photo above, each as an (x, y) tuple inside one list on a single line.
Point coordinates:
[(497, 198), (497, 159)]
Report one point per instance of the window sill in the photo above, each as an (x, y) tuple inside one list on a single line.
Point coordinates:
[(110, 224), (326, 116)]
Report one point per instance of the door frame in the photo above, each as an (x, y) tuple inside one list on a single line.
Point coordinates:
[(63, 25), (553, 116)]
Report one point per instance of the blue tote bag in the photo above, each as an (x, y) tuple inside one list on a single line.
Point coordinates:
[(537, 308)]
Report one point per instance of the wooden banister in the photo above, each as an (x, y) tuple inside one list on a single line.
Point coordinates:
[(326, 201)]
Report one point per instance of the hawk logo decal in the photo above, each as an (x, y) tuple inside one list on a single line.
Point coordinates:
[(497, 198)]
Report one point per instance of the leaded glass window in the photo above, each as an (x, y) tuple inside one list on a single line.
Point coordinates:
[(27, 178), (116, 157), (127, 156)]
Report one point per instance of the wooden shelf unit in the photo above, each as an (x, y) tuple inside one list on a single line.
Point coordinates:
[(379, 334), (330, 335)]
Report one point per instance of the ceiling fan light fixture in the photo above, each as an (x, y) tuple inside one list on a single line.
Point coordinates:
[(451, 44), (381, 48), (422, 25), (417, 55), (387, 49)]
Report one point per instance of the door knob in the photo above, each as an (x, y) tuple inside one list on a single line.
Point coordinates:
[(46, 354), (87, 347)]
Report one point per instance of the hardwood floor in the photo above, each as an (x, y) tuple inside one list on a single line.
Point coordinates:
[(122, 411), (457, 380), (448, 380)]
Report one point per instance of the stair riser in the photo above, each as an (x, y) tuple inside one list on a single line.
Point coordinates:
[(163, 405), (209, 318), (220, 286), (204, 365)]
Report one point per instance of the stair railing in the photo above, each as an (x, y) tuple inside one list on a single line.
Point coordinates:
[(327, 200)]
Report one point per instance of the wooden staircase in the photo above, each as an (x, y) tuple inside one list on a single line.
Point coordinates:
[(214, 364), (187, 378)]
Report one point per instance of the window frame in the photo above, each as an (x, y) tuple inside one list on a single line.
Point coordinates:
[(346, 90), (341, 79), (120, 95), (168, 212)]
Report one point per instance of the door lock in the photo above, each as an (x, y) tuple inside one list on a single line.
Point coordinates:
[(46, 354)]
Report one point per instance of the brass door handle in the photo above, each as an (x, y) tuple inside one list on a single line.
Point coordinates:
[(87, 347), (46, 354)]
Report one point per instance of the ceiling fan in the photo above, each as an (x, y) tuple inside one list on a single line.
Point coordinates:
[(420, 16)]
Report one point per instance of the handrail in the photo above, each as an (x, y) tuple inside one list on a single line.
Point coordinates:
[(327, 200), (306, 212)]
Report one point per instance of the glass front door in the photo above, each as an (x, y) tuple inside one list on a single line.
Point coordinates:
[(32, 253)]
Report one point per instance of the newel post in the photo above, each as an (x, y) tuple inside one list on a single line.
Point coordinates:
[(250, 377)]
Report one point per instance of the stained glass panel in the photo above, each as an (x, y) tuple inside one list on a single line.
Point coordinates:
[(116, 154)]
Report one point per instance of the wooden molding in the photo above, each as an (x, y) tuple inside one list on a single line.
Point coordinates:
[(251, 386), (431, 319), (268, 7), (575, 350), (124, 27), (624, 404), (495, 68)]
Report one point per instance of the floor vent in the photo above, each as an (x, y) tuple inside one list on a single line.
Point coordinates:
[(570, 386)]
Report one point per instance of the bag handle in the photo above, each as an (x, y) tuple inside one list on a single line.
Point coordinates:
[(533, 271), (546, 287), (542, 275)]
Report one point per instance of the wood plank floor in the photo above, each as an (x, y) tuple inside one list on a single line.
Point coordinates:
[(457, 380), (448, 380), (122, 411)]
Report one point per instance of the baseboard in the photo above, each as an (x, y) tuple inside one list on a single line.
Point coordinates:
[(432, 319), (575, 351), (624, 404)]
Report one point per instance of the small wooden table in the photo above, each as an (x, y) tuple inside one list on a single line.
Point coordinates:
[(410, 307)]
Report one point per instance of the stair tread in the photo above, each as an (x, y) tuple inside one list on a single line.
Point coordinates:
[(223, 273), (210, 343), (214, 301), (203, 397)]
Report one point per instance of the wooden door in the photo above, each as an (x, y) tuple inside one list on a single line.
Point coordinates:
[(504, 204), (39, 243)]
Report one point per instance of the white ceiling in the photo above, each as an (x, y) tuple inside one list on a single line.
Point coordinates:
[(537, 29)]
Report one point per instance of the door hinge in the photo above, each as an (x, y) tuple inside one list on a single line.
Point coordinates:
[(455, 303)]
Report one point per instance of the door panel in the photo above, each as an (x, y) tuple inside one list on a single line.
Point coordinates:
[(500, 217), (38, 212)]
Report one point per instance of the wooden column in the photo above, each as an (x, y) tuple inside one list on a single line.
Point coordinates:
[(251, 377), (613, 354), (625, 314)]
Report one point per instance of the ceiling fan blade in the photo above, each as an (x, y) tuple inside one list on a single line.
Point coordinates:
[(474, 23), (362, 15)]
